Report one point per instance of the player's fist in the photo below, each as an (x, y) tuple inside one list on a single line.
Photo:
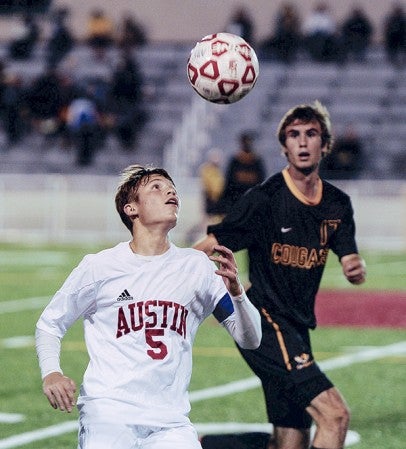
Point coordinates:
[(60, 391), (354, 268)]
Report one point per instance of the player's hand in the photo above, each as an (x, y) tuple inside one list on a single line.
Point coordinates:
[(227, 269), (354, 268), (60, 391)]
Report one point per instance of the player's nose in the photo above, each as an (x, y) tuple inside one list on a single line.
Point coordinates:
[(302, 140), (171, 191)]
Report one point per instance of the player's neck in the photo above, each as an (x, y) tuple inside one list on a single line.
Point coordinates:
[(307, 183), (150, 244)]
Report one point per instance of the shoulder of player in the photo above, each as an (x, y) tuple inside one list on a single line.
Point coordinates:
[(106, 254), (192, 261), (270, 186), (256, 197), (191, 253), (332, 190)]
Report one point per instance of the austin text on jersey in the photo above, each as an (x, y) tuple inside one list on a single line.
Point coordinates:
[(151, 314)]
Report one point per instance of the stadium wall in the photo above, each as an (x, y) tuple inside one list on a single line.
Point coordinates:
[(80, 209), (189, 20)]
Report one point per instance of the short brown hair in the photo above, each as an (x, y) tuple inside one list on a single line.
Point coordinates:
[(307, 113), (131, 178)]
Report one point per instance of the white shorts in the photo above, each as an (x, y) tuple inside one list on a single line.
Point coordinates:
[(121, 436)]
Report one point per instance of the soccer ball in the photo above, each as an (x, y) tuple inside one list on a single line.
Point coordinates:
[(222, 68)]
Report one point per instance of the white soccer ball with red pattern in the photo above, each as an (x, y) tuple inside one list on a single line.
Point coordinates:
[(222, 68)]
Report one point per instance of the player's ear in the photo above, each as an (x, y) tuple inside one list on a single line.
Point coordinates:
[(131, 210)]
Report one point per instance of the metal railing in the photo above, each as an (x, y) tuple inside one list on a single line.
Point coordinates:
[(191, 138)]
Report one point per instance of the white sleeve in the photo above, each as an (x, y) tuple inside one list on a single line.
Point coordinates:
[(48, 348), (244, 324)]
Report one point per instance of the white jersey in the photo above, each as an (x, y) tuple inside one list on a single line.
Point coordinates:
[(141, 315)]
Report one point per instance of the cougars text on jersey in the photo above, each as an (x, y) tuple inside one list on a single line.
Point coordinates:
[(298, 256)]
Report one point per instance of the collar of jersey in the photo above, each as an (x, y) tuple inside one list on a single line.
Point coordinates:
[(298, 194), (151, 258)]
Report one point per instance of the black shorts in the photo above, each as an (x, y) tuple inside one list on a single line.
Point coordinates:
[(290, 377)]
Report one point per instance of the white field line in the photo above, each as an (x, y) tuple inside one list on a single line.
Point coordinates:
[(11, 418), (352, 437), (33, 258), (223, 390), (337, 362), (21, 341), (19, 305), (40, 434)]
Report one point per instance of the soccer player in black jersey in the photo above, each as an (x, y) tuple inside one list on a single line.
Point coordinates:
[(288, 224)]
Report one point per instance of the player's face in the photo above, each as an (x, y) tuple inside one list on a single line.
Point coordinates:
[(158, 202), (303, 146)]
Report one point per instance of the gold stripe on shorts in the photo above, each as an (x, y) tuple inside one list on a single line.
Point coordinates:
[(280, 338)]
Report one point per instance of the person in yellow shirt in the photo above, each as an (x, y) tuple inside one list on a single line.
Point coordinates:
[(100, 31), (212, 181)]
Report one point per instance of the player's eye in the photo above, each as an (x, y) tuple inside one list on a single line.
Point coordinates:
[(312, 133)]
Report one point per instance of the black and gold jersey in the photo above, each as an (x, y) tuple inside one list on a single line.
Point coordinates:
[(288, 239)]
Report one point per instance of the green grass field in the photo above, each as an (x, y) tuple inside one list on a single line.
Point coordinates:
[(375, 389)]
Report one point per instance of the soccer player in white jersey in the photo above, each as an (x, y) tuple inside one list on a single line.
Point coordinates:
[(141, 303)]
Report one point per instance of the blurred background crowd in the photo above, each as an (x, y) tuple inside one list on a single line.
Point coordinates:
[(79, 110), (79, 91)]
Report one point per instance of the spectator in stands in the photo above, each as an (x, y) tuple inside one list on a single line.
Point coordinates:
[(319, 31), (83, 122), (356, 32), (131, 33), (100, 32), (23, 45), (3, 87), (10, 106), (127, 99), (244, 170), (242, 24), (398, 168), (284, 44), (346, 158), (70, 89), (43, 100), (11, 110), (61, 40), (212, 182), (395, 35)]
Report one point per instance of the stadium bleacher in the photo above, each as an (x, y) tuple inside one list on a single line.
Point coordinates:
[(372, 96)]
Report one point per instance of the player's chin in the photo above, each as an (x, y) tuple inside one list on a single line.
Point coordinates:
[(306, 166)]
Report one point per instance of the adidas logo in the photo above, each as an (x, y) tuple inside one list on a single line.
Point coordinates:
[(125, 296)]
